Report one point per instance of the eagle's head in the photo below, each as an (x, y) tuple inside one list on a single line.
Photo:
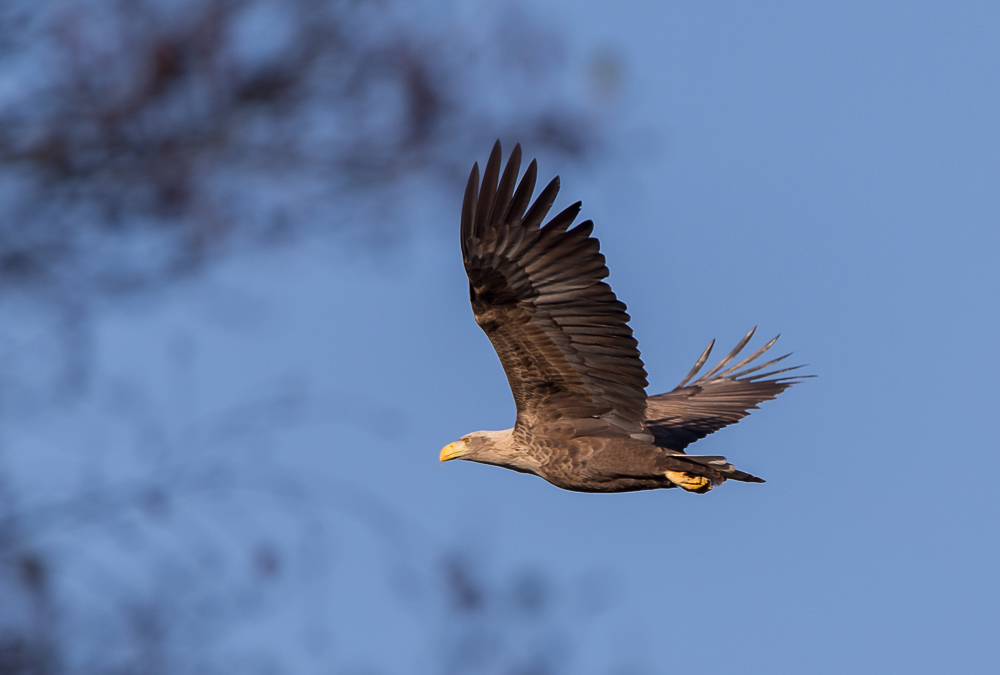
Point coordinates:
[(490, 447)]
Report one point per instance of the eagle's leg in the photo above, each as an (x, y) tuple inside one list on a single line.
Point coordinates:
[(689, 481)]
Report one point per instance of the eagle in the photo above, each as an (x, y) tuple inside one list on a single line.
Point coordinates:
[(584, 421)]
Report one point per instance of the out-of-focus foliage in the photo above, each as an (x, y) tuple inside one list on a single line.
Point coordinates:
[(138, 136), (138, 140), (171, 571), (515, 624)]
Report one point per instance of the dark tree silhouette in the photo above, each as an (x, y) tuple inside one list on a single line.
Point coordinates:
[(141, 139), (140, 136)]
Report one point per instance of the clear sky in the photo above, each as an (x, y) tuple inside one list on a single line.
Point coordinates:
[(827, 171)]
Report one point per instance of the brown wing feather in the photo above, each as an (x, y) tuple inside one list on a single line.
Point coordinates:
[(561, 335), (722, 396)]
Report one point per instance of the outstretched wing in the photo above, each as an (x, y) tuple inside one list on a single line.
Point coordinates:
[(537, 291), (716, 399)]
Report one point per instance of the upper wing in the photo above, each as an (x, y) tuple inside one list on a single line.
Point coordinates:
[(716, 399), (537, 292)]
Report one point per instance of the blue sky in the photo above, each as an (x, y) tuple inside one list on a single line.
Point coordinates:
[(827, 171)]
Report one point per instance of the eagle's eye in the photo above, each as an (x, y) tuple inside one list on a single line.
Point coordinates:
[(467, 440)]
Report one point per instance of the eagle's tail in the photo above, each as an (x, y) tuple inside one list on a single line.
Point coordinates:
[(700, 473), (722, 466)]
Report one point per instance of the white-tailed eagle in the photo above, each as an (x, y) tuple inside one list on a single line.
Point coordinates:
[(584, 421)]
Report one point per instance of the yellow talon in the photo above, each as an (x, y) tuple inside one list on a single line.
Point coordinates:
[(689, 481)]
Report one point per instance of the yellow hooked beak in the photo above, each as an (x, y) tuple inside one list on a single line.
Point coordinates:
[(453, 450)]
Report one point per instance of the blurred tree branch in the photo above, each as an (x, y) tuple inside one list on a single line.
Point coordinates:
[(138, 140), (139, 136), (163, 572)]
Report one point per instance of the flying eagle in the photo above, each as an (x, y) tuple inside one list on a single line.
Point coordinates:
[(584, 421)]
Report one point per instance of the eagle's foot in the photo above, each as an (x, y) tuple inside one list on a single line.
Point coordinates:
[(689, 481)]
